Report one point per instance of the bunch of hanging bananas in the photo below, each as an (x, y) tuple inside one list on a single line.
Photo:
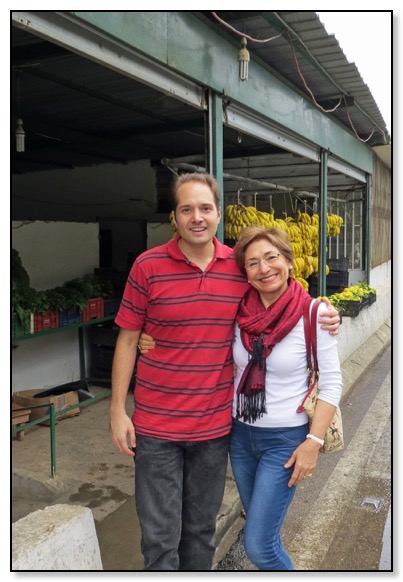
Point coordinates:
[(302, 282), (238, 216), (303, 230), (333, 226)]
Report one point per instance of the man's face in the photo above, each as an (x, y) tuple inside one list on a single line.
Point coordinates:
[(196, 215)]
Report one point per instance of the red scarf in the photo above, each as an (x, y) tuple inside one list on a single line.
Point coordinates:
[(261, 329)]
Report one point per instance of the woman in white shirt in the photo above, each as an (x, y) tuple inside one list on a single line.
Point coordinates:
[(270, 449)]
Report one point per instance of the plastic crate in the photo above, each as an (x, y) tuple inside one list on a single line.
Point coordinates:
[(350, 308), (372, 298), (94, 309), (17, 328), (365, 302), (103, 334), (338, 264), (102, 357), (338, 279), (70, 316), (111, 306), (47, 320)]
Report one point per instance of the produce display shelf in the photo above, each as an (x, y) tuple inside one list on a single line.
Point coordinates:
[(77, 325)]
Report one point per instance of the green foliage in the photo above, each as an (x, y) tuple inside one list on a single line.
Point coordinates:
[(73, 294), (19, 275)]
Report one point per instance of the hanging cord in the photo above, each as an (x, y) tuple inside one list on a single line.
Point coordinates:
[(354, 130), (243, 34), (18, 94), (293, 208), (285, 205), (305, 84), (342, 98)]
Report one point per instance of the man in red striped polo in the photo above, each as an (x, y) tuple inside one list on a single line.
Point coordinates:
[(185, 294)]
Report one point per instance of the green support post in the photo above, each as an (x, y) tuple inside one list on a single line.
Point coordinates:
[(367, 231), (81, 353), (52, 440), (322, 223), (216, 148)]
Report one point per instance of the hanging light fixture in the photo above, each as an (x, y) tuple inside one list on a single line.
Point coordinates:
[(244, 58), (19, 132), (20, 136)]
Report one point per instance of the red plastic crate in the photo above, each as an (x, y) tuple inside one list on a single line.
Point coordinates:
[(94, 309), (47, 320)]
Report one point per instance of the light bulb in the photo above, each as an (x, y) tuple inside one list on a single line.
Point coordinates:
[(20, 136), (244, 58)]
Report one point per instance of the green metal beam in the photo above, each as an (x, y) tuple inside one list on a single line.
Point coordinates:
[(193, 49)]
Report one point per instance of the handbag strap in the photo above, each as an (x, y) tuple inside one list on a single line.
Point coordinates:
[(310, 332)]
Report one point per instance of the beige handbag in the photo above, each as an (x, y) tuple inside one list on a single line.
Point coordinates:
[(334, 440)]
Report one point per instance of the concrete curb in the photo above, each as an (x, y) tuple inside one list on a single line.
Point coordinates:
[(359, 360), (61, 537)]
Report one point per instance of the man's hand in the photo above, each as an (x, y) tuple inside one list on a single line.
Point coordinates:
[(146, 343), (330, 319), (122, 433)]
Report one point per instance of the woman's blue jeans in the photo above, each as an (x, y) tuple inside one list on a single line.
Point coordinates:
[(257, 457), (179, 487)]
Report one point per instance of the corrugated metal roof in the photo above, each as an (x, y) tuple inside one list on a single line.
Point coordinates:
[(321, 61)]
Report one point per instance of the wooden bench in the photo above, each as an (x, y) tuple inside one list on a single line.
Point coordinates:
[(19, 417)]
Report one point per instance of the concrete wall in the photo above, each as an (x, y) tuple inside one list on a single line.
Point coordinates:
[(54, 252), (355, 331)]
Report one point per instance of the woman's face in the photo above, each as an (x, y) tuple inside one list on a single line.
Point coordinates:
[(267, 270)]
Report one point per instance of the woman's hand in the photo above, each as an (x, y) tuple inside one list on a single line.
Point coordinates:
[(146, 343), (304, 459), (330, 319)]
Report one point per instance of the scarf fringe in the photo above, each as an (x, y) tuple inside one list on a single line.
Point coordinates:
[(250, 408)]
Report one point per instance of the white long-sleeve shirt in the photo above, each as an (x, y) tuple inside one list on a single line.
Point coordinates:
[(286, 375)]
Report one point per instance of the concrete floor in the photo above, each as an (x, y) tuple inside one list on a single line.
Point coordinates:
[(91, 473)]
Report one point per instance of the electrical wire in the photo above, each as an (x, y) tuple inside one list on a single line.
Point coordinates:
[(342, 98), (305, 83), (262, 41)]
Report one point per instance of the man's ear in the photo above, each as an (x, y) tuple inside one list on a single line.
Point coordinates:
[(172, 218)]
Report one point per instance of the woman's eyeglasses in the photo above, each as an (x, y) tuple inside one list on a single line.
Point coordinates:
[(268, 260)]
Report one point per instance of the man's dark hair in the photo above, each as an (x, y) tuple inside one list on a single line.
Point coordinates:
[(207, 179)]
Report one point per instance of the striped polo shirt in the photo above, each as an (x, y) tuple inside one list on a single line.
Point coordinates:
[(184, 387)]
